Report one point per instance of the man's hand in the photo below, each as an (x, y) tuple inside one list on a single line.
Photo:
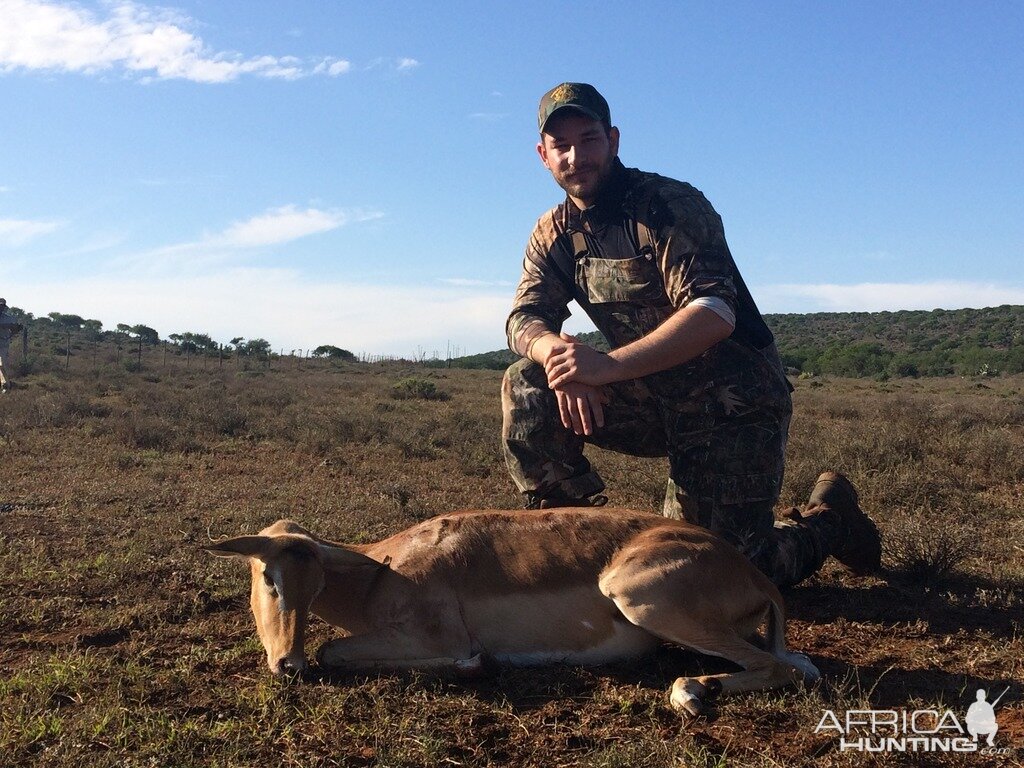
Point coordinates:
[(581, 407), (580, 363)]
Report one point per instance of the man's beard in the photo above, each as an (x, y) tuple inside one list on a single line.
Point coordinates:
[(589, 186)]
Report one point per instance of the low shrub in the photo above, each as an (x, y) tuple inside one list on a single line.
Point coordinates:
[(413, 388), (928, 553)]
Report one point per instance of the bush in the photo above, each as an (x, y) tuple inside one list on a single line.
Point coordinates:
[(417, 389), (333, 352), (926, 550)]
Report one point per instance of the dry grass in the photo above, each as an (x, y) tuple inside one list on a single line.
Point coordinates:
[(123, 644)]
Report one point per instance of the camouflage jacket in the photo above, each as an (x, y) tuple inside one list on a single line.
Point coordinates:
[(648, 247), (8, 327)]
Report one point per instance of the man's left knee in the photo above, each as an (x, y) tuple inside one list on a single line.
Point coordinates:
[(743, 520)]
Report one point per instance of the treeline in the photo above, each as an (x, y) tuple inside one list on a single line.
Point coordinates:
[(56, 327), (963, 342), (909, 343)]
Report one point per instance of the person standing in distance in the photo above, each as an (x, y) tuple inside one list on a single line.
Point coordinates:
[(693, 372), (8, 328)]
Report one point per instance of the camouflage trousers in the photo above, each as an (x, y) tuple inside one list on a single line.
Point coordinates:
[(725, 468), (4, 358)]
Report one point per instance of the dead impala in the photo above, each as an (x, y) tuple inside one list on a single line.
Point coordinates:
[(522, 587)]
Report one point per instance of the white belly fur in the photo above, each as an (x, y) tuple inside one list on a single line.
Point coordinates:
[(627, 642)]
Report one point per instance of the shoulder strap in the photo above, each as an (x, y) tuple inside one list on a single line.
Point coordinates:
[(579, 245), (644, 238), (645, 207)]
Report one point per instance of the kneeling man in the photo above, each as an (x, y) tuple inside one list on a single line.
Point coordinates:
[(693, 372)]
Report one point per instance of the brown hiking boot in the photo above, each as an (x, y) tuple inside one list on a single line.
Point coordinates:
[(860, 545), (555, 500)]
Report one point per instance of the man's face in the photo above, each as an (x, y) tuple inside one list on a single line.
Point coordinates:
[(579, 153)]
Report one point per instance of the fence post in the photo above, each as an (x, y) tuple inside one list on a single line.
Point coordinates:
[(67, 353), (140, 353)]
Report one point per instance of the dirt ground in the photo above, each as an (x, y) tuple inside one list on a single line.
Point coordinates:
[(123, 643)]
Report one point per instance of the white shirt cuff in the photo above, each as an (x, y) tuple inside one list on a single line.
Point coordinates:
[(718, 306)]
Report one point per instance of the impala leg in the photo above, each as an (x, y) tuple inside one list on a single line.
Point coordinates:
[(707, 597), (761, 670)]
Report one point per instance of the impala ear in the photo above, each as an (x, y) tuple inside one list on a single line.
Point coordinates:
[(336, 558), (240, 546)]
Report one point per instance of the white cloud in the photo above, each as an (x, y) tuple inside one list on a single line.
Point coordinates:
[(151, 43), (5, 189), (488, 117), (402, 65), (333, 67), (280, 305), (879, 297), (282, 225), (274, 227), (95, 243), (17, 232)]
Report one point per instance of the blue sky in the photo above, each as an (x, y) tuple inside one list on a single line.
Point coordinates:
[(364, 174)]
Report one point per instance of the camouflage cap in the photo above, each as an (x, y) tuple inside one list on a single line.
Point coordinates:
[(578, 96)]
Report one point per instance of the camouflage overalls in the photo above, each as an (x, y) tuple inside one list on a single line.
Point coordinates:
[(648, 247), (8, 328)]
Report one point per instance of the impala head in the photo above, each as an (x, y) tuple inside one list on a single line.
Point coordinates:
[(287, 575)]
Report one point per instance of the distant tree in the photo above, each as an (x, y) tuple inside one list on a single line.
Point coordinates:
[(905, 366), (866, 359), (236, 341), (70, 322), (93, 330), (255, 348), (144, 332), (333, 352), (194, 342)]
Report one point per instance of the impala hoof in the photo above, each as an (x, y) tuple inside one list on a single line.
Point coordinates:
[(713, 687), (804, 666), (689, 696)]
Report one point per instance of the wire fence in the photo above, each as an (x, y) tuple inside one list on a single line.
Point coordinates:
[(77, 351)]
